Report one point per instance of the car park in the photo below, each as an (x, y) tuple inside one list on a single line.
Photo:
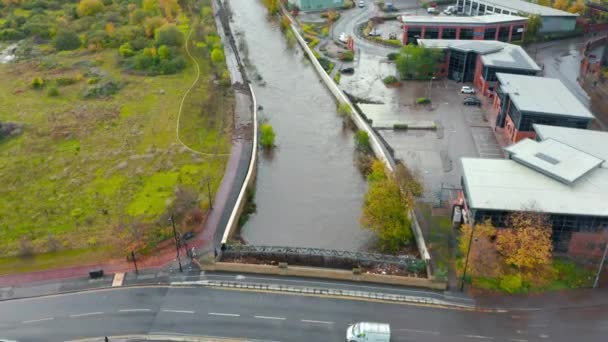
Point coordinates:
[(467, 90), (471, 101)]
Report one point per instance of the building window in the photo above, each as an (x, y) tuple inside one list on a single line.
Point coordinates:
[(529, 119), (518, 33), (489, 9), (431, 33), (490, 34), (482, 9), (413, 33), (448, 33), (466, 33), (503, 33), (497, 11)]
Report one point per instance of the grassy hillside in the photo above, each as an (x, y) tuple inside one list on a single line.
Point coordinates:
[(98, 165)]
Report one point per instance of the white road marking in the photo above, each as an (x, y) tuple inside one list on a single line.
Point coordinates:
[(480, 337), (420, 331), (223, 314), (270, 317), (87, 314), (543, 336), (180, 311), (517, 340), (318, 322), (38, 320), (134, 310)]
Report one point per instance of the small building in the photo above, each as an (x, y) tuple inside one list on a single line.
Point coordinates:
[(523, 101), (594, 59), (502, 27), (317, 5), (478, 61), (567, 183), (553, 20)]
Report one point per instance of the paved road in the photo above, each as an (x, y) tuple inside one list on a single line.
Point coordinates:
[(276, 317)]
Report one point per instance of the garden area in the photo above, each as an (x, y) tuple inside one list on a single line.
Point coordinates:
[(118, 112)]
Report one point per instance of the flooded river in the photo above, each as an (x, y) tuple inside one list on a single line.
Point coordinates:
[(309, 191)]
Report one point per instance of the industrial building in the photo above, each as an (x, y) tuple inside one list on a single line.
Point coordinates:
[(553, 20), (563, 175), (317, 5), (502, 27), (478, 61), (523, 101)]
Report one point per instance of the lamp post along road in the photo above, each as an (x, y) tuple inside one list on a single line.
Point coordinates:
[(176, 243), (599, 270)]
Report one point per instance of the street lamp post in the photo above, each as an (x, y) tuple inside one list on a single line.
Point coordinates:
[(466, 263), (176, 243), (431, 86)]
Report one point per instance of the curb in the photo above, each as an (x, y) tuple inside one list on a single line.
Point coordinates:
[(323, 292)]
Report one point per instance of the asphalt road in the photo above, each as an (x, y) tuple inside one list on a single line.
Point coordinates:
[(276, 317)]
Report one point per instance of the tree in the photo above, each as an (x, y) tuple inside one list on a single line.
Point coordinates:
[(561, 4), (417, 62), (267, 135), (151, 6), (66, 40), (169, 35), (578, 6), (535, 23), (152, 24), (164, 52), (483, 259), (526, 244), (544, 3), (170, 8), (217, 56), (126, 50), (89, 7)]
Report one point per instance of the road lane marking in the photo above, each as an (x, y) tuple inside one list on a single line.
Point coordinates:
[(271, 317), (480, 337), (87, 314), (543, 336), (134, 310), (420, 331), (318, 322), (179, 311), (223, 314), (38, 320), (517, 340)]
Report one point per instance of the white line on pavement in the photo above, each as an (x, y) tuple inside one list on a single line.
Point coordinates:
[(480, 337), (87, 314), (134, 310), (37, 320), (180, 311), (223, 314), (517, 340), (270, 317), (420, 331), (318, 322)]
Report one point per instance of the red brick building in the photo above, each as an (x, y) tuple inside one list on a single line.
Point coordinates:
[(501, 27)]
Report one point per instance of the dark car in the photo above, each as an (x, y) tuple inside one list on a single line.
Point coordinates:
[(347, 71), (471, 101), (187, 235)]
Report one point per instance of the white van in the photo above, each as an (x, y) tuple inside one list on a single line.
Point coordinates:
[(368, 332), (432, 10)]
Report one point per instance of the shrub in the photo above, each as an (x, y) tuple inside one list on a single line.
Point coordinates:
[(337, 77), (164, 53), (344, 109), (390, 80), (392, 56), (362, 142), (11, 34), (423, 100), (326, 64), (66, 40), (217, 56), (285, 22), (105, 89), (93, 80), (37, 83), (126, 50), (64, 81), (53, 92), (511, 283), (347, 56), (89, 7), (169, 35), (267, 135), (398, 127)]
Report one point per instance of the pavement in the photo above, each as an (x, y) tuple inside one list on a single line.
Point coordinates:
[(269, 316)]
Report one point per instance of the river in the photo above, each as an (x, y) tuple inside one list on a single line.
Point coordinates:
[(308, 191)]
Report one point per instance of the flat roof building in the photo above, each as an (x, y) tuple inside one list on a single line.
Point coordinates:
[(502, 27), (317, 5), (568, 184), (553, 20), (523, 101)]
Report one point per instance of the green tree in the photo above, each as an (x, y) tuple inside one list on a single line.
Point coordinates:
[(89, 7), (362, 142), (151, 25), (151, 6), (164, 53), (126, 50), (267, 135), (217, 56), (535, 23), (66, 40), (417, 62), (169, 35)]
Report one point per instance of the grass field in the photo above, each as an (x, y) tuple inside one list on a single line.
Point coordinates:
[(88, 174)]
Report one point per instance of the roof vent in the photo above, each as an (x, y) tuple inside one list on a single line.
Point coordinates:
[(547, 158)]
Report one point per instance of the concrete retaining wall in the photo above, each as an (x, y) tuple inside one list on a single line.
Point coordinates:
[(325, 273)]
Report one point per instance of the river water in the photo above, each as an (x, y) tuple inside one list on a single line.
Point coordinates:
[(308, 191)]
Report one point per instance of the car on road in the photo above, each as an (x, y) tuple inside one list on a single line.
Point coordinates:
[(432, 10), (467, 90), (187, 235), (347, 71), (343, 37), (368, 332), (361, 3), (471, 101)]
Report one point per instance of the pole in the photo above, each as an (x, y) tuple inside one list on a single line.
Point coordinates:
[(466, 263), (431, 87), (599, 270), (176, 243), (134, 262), (209, 193)]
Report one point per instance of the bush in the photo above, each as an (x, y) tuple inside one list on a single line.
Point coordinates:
[(126, 50), (423, 100), (390, 80), (37, 83), (169, 35), (398, 127), (285, 22), (11, 34), (347, 56), (89, 7), (511, 283), (337, 77), (64, 81), (217, 55), (53, 92), (66, 40), (267, 135), (105, 89), (344, 109), (326, 64), (362, 142), (392, 56)]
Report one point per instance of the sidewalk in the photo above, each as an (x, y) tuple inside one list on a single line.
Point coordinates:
[(547, 301)]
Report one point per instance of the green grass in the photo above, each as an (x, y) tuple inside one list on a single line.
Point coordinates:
[(44, 261), (439, 234)]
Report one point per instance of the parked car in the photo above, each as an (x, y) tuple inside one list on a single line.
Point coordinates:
[(347, 71), (368, 332), (361, 3), (467, 90), (343, 37), (471, 101), (447, 12), (432, 10), (187, 235), (375, 33)]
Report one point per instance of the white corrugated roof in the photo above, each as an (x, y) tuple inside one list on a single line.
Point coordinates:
[(448, 19), (554, 159), (542, 95), (501, 184), (594, 143), (528, 7)]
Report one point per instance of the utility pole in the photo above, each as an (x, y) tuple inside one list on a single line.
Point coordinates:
[(176, 243), (431, 87), (209, 193), (134, 262), (466, 263), (599, 270)]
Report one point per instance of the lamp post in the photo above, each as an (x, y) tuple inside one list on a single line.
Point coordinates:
[(599, 270), (176, 243), (134, 262), (466, 263), (431, 87)]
